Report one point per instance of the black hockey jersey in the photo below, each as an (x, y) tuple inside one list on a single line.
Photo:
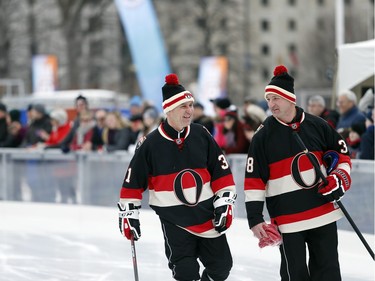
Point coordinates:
[(182, 173), (279, 173)]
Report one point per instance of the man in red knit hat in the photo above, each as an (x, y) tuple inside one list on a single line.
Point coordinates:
[(279, 172), (191, 189)]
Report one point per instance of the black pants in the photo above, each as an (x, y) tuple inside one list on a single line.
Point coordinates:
[(183, 250), (323, 263)]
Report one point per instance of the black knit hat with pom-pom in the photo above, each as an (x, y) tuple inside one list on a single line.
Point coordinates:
[(174, 94), (281, 84)]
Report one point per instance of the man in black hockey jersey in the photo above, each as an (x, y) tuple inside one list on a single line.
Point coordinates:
[(279, 172), (191, 189)]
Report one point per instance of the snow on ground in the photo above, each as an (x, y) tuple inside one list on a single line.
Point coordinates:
[(52, 242)]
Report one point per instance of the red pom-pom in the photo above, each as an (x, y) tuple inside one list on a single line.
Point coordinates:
[(171, 79), (280, 70)]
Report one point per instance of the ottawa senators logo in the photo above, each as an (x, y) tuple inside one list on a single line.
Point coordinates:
[(179, 188), (260, 127), (303, 172), (140, 142)]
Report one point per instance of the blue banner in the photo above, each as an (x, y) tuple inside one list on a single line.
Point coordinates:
[(141, 27)]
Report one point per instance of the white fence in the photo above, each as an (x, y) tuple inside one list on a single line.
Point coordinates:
[(96, 179)]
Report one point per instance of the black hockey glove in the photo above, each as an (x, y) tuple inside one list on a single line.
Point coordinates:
[(223, 213), (129, 220), (338, 182)]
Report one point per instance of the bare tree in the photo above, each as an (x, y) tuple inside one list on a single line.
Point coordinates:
[(7, 8), (71, 16)]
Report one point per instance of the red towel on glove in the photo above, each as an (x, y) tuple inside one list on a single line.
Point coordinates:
[(273, 238)]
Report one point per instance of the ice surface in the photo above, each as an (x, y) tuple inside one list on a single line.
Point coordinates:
[(52, 242)]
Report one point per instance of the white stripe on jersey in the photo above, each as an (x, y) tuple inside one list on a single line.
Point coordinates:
[(288, 184), (311, 223), (254, 195), (169, 198)]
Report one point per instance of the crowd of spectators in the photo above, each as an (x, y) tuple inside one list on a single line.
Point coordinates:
[(353, 120), (233, 127), (104, 131)]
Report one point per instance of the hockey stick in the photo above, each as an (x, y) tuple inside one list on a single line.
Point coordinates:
[(339, 203), (134, 256)]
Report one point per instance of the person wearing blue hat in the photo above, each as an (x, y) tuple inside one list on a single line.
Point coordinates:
[(135, 105)]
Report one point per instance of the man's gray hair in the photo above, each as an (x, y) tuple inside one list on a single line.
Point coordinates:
[(317, 99), (350, 95)]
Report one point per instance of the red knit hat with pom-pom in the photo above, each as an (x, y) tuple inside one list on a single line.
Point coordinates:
[(174, 94), (281, 84)]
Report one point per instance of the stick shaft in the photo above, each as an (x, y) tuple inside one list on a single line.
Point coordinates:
[(339, 203), (348, 217), (134, 257)]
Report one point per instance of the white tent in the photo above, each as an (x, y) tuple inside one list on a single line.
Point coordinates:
[(355, 64)]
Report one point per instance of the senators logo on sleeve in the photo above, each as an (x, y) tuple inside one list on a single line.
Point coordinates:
[(140, 142)]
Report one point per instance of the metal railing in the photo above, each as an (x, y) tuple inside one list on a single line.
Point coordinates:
[(96, 179)]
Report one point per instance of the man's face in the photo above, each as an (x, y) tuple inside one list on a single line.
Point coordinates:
[(181, 116), (315, 108), (81, 105), (35, 115), (280, 108), (344, 104), (100, 116)]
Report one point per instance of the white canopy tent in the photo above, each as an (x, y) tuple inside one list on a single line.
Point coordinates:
[(355, 64)]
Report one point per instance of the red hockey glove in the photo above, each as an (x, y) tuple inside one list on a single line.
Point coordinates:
[(224, 207), (273, 237), (129, 220), (338, 182)]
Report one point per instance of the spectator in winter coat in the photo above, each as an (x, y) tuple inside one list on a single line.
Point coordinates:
[(353, 140), (151, 120), (60, 128), (279, 173), (191, 189), (235, 139), (317, 106), (220, 107), (254, 116), (97, 136), (81, 105), (16, 131), (133, 131), (40, 126), (201, 118), (114, 132), (83, 134), (349, 112)]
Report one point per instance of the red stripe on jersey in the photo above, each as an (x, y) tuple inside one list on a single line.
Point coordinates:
[(166, 182), (130, 193), (345, 159), (309, 214), (254, 183), (199, 228), (283, 168), (222, 182)]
